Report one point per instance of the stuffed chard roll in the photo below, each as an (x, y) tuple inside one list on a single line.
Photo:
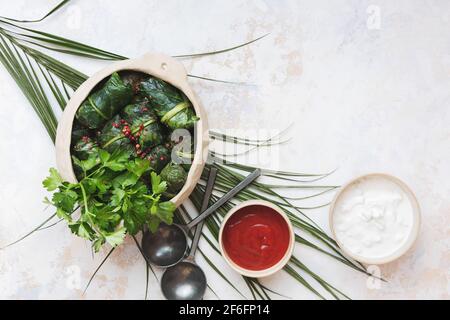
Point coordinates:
[(85, 147), (159, 157), (112, 136), (137, 127), (78, 132), (103, 104), (172, 107), (133, 79), (147, 130), (175, 176)]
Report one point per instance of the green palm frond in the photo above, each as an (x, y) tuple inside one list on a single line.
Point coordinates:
[(57, 43), (148, 267), (39, 227), (202, 54), (22, 71), (97, 269), (213, 225), (60, 44), (43, 79), (48, 14)]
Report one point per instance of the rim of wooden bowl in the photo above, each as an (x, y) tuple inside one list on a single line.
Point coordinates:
[(155, 64)]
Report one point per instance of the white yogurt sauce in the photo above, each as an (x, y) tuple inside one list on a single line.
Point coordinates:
[(373, 217)]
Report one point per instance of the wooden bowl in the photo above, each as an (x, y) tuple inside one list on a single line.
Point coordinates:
[(157, 65)]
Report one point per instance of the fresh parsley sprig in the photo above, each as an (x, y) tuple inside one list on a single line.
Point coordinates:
[(116, 196)]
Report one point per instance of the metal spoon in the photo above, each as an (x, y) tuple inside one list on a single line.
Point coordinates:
[(168, 245), (186, 280)]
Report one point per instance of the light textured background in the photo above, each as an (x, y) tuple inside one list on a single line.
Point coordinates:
[(361, 99)]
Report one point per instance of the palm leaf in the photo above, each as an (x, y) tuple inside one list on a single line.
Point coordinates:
[(213, 227), (60, 44), (43, 227), (31, 232), (70, 76), (202, 54), (67, 46), (332, 290), (218, 80), (48, 14), (25, 77), (302, 280), (148, 267), (183, 219), (97, 269), (21, 58)]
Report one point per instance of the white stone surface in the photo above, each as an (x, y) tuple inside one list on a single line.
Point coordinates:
[(364, 94)]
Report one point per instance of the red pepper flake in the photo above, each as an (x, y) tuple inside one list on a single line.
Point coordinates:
[(85, 138), (162, 158), (115, 125)]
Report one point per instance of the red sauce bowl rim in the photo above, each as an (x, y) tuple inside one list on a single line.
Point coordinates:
[(264, 272)]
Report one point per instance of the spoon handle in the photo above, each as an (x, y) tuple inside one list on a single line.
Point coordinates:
[(244, 183), (206, 197)]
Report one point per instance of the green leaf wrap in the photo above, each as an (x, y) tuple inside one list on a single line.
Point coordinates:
[(172, 107), (78, 132), (133, 79), (112, 138), (84, 147), (140, 114), (104, 103), (175, 176), (159, 156)]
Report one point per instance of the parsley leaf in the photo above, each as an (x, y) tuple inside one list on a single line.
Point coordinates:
[(158, 186), (81, 229), (118, 195), (104, 156), (153, 223), (53, 181), (164, 210), (138, 166), (115, 197), (65, 200), (117, 161), (115, 238)]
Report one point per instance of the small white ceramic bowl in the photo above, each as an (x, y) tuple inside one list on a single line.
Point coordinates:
[(414, 229), (276, 267)]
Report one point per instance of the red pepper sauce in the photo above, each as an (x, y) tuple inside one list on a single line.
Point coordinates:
[(256, 237)]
